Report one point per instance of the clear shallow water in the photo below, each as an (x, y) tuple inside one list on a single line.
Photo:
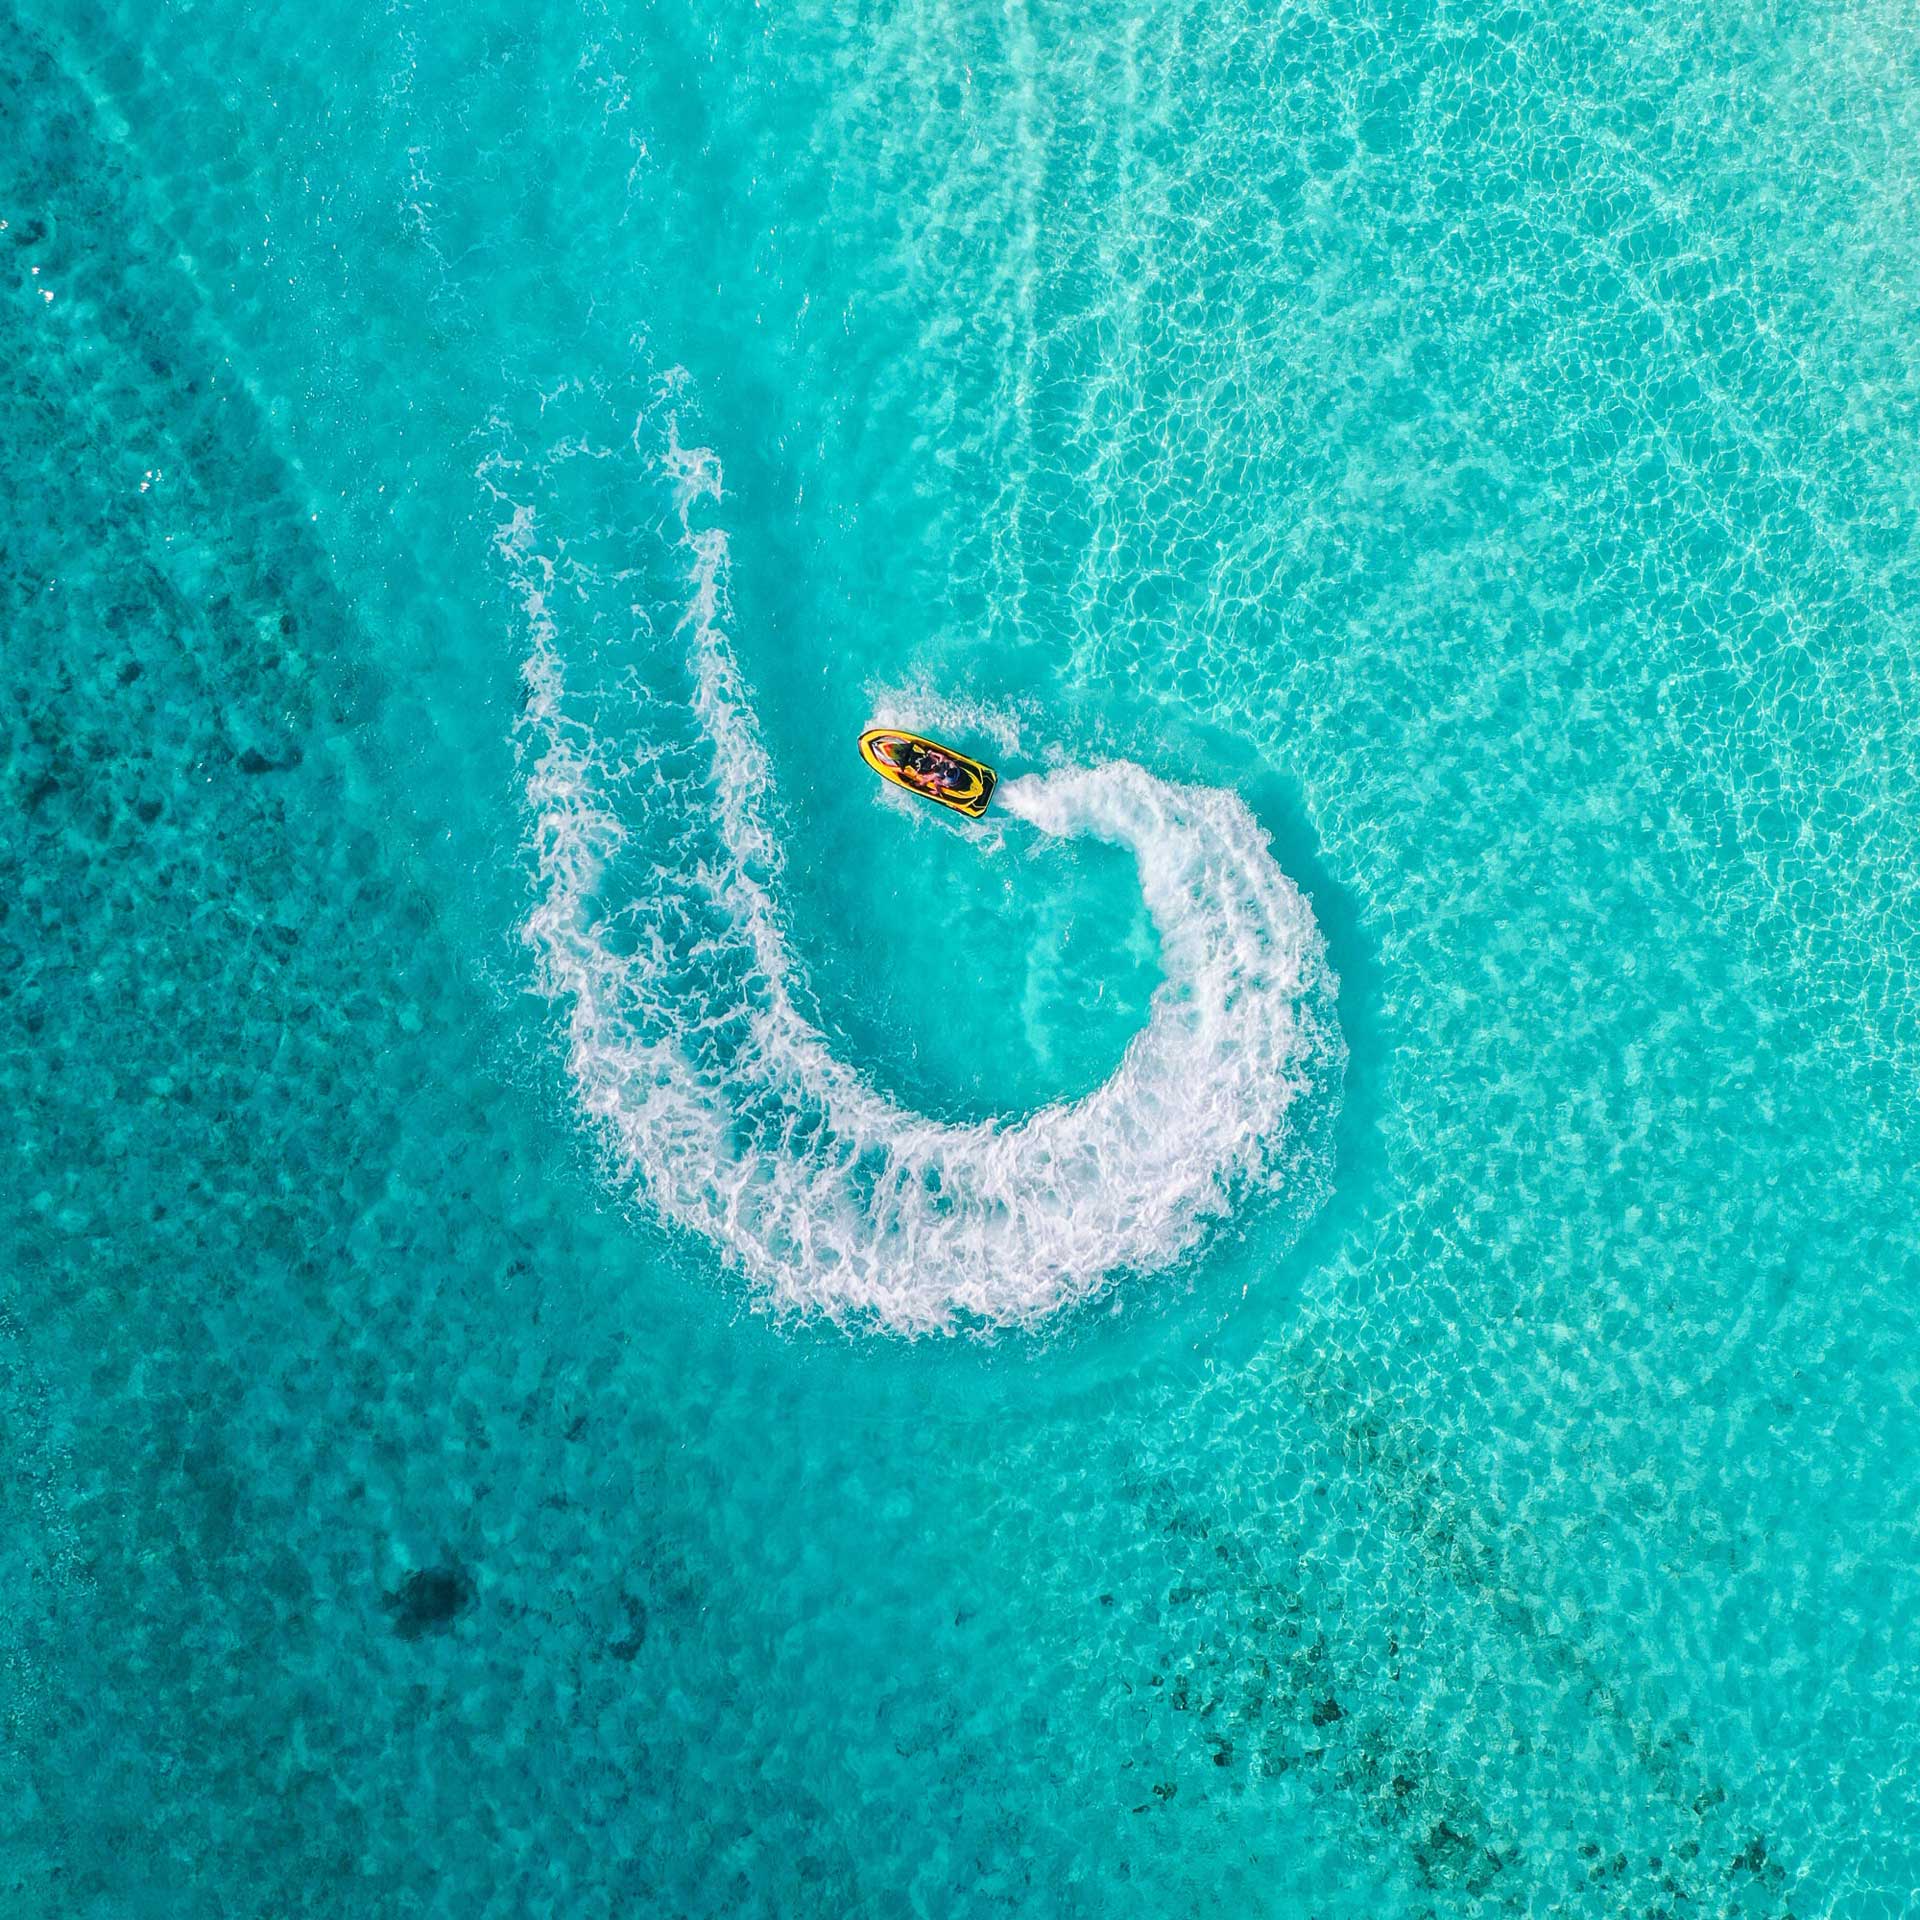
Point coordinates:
[(1484, 443)]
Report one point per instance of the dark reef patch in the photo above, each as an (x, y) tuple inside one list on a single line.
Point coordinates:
[(430, 1600)]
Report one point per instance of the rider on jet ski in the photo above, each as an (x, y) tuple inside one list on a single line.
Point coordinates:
[(929, 768)]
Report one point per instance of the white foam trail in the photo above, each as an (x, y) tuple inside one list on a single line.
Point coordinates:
[(722, 1100)]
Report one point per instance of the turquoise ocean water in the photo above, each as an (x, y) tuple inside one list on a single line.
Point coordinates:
[(600, 1317)]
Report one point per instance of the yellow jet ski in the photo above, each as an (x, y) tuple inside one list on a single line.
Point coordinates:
[(927, 768)]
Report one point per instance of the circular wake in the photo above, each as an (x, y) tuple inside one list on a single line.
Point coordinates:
[(720, 1097)]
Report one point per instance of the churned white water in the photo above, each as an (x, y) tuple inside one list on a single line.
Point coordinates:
[(718, 1096)]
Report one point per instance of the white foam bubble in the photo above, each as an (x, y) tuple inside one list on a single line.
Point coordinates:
[(689, 1047), (919, 708)]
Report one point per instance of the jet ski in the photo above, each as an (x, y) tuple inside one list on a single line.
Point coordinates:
[(943, 775)]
